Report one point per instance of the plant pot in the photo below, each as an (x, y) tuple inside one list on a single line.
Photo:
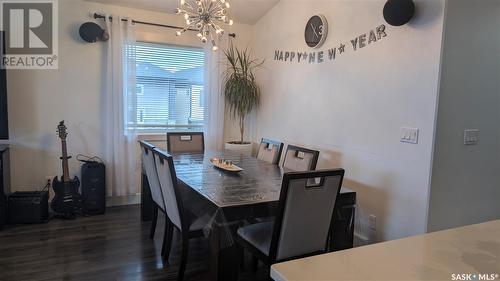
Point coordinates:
[(244, 149)]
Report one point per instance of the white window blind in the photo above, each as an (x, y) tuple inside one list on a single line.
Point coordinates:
[(169, 88)]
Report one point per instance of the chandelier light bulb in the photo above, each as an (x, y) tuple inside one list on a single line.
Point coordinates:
[(178, 33), (231, 22), (183, 2), (186, 16), (227, 5), (215, 48), (199, 35)]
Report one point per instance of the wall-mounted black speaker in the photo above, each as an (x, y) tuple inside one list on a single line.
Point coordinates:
[(399, 12), (91, 32)]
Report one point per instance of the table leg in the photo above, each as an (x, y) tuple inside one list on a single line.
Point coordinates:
[(225, 254)]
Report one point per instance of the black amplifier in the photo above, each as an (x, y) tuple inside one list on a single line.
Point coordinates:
[(94, 188), (28, 207)]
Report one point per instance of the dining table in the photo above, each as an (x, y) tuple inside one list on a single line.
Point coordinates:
[(231, 198)]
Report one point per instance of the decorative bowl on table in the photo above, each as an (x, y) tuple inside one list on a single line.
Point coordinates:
[(225, 165)]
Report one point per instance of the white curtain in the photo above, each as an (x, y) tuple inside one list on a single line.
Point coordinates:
[(214, 100), (120, 134)]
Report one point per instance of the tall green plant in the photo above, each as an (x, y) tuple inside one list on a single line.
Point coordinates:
[(240, 88)]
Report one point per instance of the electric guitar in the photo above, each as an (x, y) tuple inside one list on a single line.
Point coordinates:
[(67, 201)]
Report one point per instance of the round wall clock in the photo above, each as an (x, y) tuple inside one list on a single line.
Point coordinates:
[(316, 31)]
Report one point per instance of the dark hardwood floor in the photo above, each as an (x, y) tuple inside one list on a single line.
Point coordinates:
[(114, 246)]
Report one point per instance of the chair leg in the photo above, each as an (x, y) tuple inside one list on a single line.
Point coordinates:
[(268, 273), (241, 253), (167, 239), (255, 263), (153, 223), (184, 255)]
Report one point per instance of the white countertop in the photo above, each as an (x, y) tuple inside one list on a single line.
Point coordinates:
[(471, 250)]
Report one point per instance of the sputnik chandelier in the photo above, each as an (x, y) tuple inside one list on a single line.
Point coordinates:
[(205, 16)]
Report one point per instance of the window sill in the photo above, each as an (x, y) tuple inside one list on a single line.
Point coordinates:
[(152, 136)]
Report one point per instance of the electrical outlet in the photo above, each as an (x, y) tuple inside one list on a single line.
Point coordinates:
[(372, 221), (471, 136)]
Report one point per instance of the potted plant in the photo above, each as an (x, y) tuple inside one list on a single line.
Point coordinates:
[(241, 92)]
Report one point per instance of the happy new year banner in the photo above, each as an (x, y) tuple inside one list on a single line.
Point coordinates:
[(359, 42)]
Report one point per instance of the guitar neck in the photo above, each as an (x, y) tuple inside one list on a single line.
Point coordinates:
[(65, 161)]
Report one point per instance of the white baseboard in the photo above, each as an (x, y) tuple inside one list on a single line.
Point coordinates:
[(123, 200)]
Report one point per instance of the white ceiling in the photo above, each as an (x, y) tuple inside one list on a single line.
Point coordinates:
[(243, 11)]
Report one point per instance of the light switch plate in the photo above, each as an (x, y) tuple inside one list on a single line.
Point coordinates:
[(409, 135), (471, 136)]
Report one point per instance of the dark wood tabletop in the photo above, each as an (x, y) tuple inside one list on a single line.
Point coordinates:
[(259, 182)]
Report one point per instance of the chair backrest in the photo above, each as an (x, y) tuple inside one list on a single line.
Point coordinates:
[(185, 142), (168, 183), (270, 151), (148, 162), (305, 213), (300, 159)]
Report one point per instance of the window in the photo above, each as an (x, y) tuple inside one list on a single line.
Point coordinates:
[(169, 88)]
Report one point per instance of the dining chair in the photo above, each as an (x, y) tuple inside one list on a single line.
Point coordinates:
[(178, 217), (149, 168), (270, 151), (185, 142), (300, 158), (303, 221)]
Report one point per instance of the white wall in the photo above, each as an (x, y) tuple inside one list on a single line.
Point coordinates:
[(466, 179), (352, 109), (39, 99)]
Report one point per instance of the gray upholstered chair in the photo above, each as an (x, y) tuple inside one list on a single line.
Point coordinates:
[(303, 220), (149, 168), (189, 142), (300, 159), (178, 217), (270, 151)]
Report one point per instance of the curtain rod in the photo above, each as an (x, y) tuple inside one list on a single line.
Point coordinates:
[(98, 16)]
